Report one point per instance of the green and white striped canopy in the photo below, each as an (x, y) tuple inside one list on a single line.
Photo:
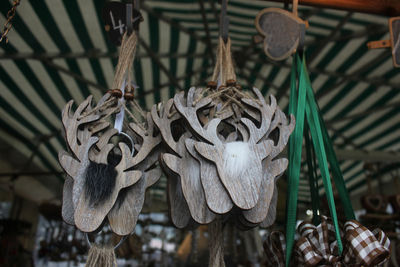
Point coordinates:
[(58, 50)]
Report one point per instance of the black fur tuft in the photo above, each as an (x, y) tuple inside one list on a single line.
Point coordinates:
[(99, 182)]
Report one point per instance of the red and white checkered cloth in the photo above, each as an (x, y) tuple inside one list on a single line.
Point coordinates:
[(317, 246)]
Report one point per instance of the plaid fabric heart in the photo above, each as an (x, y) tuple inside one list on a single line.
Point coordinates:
[(317, 245), (275, 248), (363, 247)]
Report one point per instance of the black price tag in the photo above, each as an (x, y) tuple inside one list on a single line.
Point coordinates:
[(115, 20), (114, 16)]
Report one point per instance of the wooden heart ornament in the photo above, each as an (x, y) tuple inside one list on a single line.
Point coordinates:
[(374, 203), (282, 31)]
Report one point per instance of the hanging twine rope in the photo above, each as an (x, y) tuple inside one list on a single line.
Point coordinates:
[(125, 60), (216, 244), (101, 256), (224, 69)]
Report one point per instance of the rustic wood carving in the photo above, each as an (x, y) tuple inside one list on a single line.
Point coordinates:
[(88, 135), (223, 161), (185, 184)]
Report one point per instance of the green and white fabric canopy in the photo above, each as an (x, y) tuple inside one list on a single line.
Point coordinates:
[(58, 50)]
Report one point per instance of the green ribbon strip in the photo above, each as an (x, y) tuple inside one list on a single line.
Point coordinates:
[(312, 178), (316, 136), (295, 147), (304, 106)]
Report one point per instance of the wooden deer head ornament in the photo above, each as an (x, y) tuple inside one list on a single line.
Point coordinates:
[(218, 168), (95, 186)]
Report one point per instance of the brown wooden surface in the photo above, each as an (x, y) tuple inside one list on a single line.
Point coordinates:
[(272, 170), (67, 209), (188, 169), (281, 30), (123, 217), (378, 44), (382, 7), (394, 29)]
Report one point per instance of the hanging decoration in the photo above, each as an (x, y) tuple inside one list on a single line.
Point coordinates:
[(112, 159), (103, 181), (222, 141), (283, 31), (325, 242), (222, 147), (317, 245)]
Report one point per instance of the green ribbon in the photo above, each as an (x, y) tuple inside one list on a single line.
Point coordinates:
[(295, 147), (312, 178), (303, 105)]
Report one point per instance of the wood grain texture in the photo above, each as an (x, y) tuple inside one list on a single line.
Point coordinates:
[(150, 141), (178, 207), (217, 198), (89, 217), (123, 217), (281, 30), (67, 209), (188, 169), (244, 185), (272, 171), (189, 111)]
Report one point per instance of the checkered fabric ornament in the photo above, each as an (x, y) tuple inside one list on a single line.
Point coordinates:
[(365, 247), (275, 248), (317, 246)]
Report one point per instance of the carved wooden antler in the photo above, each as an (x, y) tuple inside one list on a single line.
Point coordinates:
[(186, 167), (124, 214), (179, 210), (265, 210), (243, 184)]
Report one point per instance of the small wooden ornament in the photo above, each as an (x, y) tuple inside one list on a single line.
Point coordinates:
[(217, 198), (89, 216), (196, 166), (393, 42), (89, 139), (283, 32), (374, 203)]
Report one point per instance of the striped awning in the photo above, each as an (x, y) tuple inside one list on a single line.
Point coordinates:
[(58, 50)]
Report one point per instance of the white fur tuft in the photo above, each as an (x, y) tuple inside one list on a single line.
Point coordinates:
[(236, 157)]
